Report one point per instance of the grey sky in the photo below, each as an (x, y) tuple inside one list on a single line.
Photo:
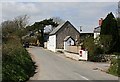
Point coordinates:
[(60, 0), (85, 14)]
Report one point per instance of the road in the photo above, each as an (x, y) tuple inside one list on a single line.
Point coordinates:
[(53, 66)]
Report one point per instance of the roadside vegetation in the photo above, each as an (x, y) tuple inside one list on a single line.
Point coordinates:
[(17, 65), (95, 51), (37, 31), (106, 46)]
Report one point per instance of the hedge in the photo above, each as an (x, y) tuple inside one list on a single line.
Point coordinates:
[(17, 65), (115, 67)]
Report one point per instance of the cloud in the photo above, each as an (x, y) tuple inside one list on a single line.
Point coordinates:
[(0, 13), (59, 0), (86, 14)]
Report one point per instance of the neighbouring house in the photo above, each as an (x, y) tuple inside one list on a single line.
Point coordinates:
[(84, 35), (97, 29), (97, 32), (60, 33)]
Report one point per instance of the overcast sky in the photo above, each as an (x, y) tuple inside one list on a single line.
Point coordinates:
[(85, 14), (60, 0)]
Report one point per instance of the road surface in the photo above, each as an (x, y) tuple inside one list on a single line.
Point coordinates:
[(52, 66)]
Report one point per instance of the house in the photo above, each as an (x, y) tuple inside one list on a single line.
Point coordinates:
[(58, 35), (97, 32), (84, 35), (97, 29)]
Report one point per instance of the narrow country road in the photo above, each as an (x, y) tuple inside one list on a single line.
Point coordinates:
[(52, 66)]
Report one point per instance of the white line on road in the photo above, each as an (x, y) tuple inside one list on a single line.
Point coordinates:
[(82, 76)]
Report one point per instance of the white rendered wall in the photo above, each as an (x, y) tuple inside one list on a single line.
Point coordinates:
[(96, 35), (51, 45), (84, 55)]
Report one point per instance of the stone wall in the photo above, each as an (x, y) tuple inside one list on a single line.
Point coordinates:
[(67, 30)]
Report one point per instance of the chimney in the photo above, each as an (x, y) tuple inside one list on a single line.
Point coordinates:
[(100, 21)]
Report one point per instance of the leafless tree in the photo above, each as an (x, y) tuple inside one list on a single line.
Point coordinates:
[(15, 26), (21, 21)]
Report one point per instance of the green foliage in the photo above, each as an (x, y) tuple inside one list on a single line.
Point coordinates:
[(94, 51), (98, 55), (119, 65), (40, 26), (109, 28), (109, 39), (114, 67), (105, 41), (118, 22), (17, 64), (10, 28), (109, 25), (21, 32), (29, 39), (49, 22), (89, 45)]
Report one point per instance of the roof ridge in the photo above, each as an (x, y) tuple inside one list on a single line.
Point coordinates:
[(58, 27)]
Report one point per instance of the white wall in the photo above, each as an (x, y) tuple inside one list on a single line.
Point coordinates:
[(96, 35), (84, 55), (67, 43), (72, 55), (51, 45)]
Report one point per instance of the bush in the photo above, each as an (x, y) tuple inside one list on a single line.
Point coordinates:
[(113, 67), (94, 51), (17, 64), (32, 40), (119, 66), (97, 55)]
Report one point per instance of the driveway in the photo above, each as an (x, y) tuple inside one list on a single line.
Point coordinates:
[(54, 66)]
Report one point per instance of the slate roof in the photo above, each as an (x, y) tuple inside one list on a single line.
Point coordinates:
[(97, 29), (57, 28), (60, 26), (68, 38)]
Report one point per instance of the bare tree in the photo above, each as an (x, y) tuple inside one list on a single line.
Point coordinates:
[(16, 26), (21, 21)]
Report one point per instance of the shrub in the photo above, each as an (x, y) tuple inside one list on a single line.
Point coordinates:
[(17, 64), (94, 51), (113, 67), (119, 66), (97, 55), (31, 40)]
